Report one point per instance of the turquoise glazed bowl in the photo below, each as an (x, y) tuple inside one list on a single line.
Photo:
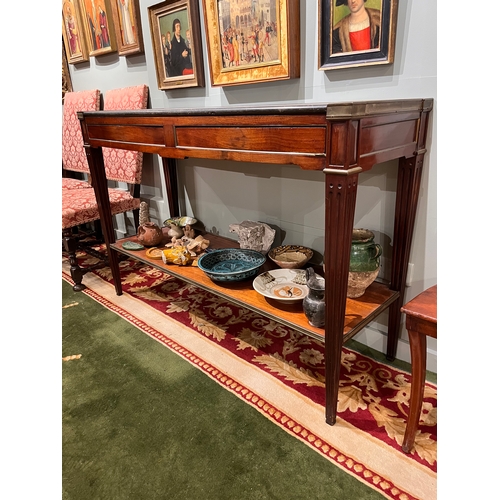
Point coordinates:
[(231, 264)]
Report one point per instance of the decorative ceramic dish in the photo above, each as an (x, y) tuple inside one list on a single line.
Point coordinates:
[(283, 285), (132, 245), (154, 253), (231, 264), (290, 256), (180, 221)]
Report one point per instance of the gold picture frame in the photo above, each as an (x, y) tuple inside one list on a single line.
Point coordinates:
[(98, 24), (246, 45), (340, 46), (67, 86), (74, 38), (128, 29), (176, 37)]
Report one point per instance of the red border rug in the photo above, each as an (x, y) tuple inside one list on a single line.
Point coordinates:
[(373, 397)]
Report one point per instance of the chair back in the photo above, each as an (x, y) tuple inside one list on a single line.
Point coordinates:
[(73, 152), (122, 165)]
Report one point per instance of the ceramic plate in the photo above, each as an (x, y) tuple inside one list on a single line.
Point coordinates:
[(283, 285)]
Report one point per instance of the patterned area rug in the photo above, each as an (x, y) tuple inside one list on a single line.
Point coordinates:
[(281, 373)]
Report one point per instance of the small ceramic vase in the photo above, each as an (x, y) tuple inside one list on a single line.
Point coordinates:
[(314, 302), (364, 264), (149, 234), (175, 231)]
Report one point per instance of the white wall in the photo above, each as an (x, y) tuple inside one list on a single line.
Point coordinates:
[(221, 193)]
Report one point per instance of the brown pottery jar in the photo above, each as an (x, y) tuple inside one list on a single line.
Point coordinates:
[(149, 234)]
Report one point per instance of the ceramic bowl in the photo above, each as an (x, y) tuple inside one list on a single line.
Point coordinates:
[(180, 221), (231, 264), (290, 256)]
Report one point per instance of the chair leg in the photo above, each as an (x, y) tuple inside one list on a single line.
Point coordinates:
[(77, 273), (418, 346), (136, 218), (98, 231)]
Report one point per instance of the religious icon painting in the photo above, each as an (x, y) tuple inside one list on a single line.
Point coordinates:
[(98, 25), (73, 34), (127, 23), (67, 86), (355, 33)]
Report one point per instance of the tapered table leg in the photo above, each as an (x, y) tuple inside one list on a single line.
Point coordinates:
[(170, 173), (409, 176), (99, 183), (340, 203)]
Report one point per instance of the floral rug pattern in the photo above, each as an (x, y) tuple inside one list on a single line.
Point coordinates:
[(373, 397)]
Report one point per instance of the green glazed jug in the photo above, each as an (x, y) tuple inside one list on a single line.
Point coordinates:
[(364, 264)]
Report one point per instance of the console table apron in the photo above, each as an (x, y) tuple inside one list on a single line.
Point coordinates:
[(341, 139)]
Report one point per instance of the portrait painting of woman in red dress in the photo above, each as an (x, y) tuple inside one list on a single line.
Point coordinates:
[(359, 27)]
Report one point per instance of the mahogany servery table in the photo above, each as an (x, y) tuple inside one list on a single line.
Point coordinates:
[(341, 139)]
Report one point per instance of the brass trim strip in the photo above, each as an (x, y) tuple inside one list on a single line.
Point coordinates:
[(339, 171), (363, 109)]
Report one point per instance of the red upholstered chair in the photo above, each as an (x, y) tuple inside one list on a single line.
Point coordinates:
[(73, 154), (79, 206)]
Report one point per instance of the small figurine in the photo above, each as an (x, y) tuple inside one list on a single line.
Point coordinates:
[(194, 246), (180, 256), (189, 232)]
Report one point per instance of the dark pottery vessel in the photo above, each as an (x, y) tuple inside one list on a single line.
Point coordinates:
[(314, 301)]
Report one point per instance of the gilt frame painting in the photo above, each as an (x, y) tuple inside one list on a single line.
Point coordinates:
[(176, 37), (355, 33), (73, 33), (128, 29), (249, 43), (98, 24), (67, 85)]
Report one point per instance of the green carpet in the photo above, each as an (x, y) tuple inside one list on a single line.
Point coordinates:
[(139, 422)]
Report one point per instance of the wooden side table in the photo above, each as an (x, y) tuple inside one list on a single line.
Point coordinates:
[(340, 139), (421, 321)]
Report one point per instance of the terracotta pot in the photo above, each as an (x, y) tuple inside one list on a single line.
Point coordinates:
[(149, 234)]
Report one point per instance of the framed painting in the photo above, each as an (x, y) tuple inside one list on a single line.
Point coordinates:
[(252, 42), (67, 86), (128, 30), (356, 33), (98, 25), (176, 37), (73, 33)]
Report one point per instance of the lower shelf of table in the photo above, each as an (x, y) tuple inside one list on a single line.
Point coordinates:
[(359, 312)]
